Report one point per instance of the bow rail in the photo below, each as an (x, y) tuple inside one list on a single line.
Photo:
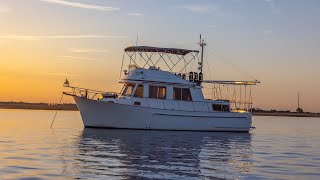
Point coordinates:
[(88, 93)]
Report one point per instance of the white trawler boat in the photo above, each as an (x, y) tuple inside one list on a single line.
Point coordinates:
[(155, 99)]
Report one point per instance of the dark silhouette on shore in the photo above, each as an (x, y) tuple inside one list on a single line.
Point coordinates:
[(39, 106), (73, 107)]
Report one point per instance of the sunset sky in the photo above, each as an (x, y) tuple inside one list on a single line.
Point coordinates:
[(42, 42)]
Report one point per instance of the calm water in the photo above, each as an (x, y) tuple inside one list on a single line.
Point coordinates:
[(280, 148)]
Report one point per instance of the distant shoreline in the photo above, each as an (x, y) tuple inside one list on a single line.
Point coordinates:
[(73, 107), (286, 114), (38, 106)]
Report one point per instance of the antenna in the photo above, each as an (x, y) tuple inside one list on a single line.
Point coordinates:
[(202, 44)]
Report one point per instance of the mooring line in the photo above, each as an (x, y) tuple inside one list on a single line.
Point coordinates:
[(55, 115)]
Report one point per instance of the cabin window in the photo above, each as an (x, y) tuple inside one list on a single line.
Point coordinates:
[(220, 107), (128, 88), (182, 94), (225, 108), (157, 92), (177, 93), (139, 91)]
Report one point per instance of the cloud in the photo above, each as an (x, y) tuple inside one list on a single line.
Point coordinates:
[(197, 8), (5, 8), (273, 7), (77, 57), (267, 32), (56, 74), (75, 50), (82, 5), (135, 14), (212, 26), (26, 37)]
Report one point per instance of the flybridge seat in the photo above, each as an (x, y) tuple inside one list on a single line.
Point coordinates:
[(176, 51)]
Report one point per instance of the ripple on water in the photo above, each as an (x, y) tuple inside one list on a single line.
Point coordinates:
[(29, 149)]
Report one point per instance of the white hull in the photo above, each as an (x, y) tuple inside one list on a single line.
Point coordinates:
[(101, 114)]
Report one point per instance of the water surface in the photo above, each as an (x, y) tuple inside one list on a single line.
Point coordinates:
[(280, 148)]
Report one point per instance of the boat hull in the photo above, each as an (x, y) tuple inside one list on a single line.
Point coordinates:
[(101, 114)]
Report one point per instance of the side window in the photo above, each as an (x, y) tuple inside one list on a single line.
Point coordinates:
[(162, 92), (225, 108), (182, 94), (139, 91), (216, 107), (220, 107), (177, 93), (157, 92), (153, 92), (186, 95)]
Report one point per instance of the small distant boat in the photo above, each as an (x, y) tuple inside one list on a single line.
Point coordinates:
[(156, 99)]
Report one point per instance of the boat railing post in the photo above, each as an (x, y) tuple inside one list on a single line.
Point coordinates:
[(86, 94)]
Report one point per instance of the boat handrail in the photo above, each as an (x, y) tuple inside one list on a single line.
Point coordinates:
[(87, 93)]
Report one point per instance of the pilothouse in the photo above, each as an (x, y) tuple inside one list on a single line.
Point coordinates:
[(159, 93)]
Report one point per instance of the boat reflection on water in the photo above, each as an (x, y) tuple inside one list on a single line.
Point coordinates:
[(131, 154)]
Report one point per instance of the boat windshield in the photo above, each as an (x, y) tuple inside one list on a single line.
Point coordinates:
[(127, 89), (139, 91)]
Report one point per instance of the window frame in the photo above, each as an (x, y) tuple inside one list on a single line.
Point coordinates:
[(181, 89), (135, 91), (157, 92), (220, 107), (125, 89)]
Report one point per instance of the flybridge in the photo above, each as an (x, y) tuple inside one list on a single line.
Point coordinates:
[(173, 60)]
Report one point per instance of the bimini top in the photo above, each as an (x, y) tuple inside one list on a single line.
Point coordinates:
[(159, 50)]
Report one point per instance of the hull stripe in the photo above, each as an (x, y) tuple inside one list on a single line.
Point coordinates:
[(181, 115), (219, 130)]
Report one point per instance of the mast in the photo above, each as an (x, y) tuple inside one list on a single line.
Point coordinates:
[(299, 110), (298, 100), (202, 44)]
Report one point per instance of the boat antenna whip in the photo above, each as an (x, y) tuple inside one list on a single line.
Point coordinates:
[(65, 84)]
